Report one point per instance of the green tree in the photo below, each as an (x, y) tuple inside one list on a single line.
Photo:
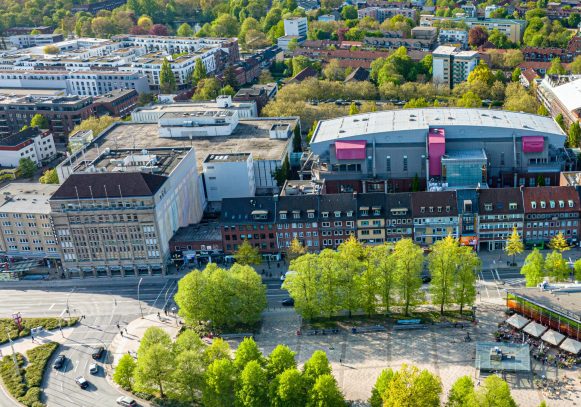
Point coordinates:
[(51, 49), (481, 73), (384, 266), (462, 393), (350, 261), (295, 250), (494, 392), (299, 63), (517, 99), (574, 134), (318, 365), (349, 13), (575, 66), (413, 387), (561, 121), (559, 243), (154, 369), (442, 263), (167, 79), (229, 77), (247, 254), (353, 109), (123, 374), (49, 177), (227, 90), (220, 383), (329, 286), (301, 284), (282, 173), (251, 294), (96, 124), (409, 259), (39, 121), (251, 387), (26, 167), (189, 340), (152, 336), (199, 72), (556, 266), (556, 67), (381, 388), (288, 389), (247, 351), (188, 375), (219, 349), (465, 278), (533, 268), (333, 71), (207, 89), (577, 268), (325, 393), (185, 30), (515, 76), (542, 111), (225, 26), (190, 297), (469, 99), (368, 283), (514, 245), (280, 359), (416, 103)]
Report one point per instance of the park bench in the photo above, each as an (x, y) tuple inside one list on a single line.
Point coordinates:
[(409, 321), (365, 329), (333, 331)]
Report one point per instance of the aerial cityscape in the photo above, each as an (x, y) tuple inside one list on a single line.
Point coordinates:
[(287, 203)]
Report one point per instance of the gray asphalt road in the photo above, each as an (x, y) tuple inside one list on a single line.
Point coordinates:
[(104, 303)]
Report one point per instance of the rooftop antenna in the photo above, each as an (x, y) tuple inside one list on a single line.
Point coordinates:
[(92, 197), (78, 199), (106, 195), (119, 186)]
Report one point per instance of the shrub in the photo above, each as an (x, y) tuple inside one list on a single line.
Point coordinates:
[(37, 360), (28, 324)]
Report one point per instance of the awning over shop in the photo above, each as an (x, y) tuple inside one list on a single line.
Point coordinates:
[(553, 337), (535, 329), (517, 321), (571, 346)]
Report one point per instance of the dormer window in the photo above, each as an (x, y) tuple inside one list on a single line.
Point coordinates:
[(311, 213), (571, 204), (487, 206), (364, 210), (561, 204), (325, 214), (512, 206), (423, 209), (349, 214), (543, 204), (259, 215), (552, 204), (431, 209), (533, 205), (337, 214), (282, 214), (447, 208), (439, 209), (376, 211)]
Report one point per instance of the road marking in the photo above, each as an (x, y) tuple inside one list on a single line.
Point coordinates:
[(157, 298), (76, 366), (51, 307)]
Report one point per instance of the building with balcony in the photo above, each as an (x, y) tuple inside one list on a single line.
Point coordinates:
[(399, 223), (371, 214), (115, 214), (297, 217), (452, 66)]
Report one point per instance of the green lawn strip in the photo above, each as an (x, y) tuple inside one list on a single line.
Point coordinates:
[(28, 324), (27, 391)]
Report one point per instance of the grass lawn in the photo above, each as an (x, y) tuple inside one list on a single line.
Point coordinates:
[(27, 391), (28, 324)]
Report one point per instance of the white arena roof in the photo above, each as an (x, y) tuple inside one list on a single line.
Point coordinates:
[(422, 119), (569, 94)]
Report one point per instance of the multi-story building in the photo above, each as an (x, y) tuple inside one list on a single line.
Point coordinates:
[(453, 36), (380, 14), (561, 94), (34, 40), (371, 215), (435, 216), (513, 29), (229, 176), (411, 44), (549, 211), (28, 143), (452, 66), (444, 148), (26, 226), (119, 102), (500, 210), (115, 214), (297, 217), (338, 219), (296, 26), (467, 200), (399, 222), (63, 113)]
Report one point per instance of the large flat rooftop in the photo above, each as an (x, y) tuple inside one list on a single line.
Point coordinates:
[(250, 136), (21, 197), (567, 301)]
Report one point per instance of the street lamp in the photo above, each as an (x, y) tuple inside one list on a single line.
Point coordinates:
[(13, 353), (140, 307)]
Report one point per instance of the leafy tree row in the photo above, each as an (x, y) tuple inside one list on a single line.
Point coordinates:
[(225, 297), (378, 278), (190, 372)]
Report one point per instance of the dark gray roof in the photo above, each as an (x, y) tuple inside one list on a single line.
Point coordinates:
[(109, 185), (434, 199), (399, 200), (370, 201), (500, 199), (239, 210), (359, 74), (300, 203), (467, 195), (338, 202)]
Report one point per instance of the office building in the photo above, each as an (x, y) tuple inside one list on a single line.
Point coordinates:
[(34, 40), (116, 213), (228, 176), (296, 26), (451, 66), (453, 36)]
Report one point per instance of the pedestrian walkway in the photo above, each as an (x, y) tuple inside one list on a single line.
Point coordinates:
[(129, 336), (21, 345)]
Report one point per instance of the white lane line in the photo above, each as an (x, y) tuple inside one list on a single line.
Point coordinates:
[(76, 366), (51, 307), (157, 298)]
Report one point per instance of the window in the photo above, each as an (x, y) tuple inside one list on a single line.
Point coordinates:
[(431, 209), (405, 162), (337, 214), (349, 214), (543, 204), (552, 204), (296, 215), (283, 215), (422, 209), (502, 159), (561, 204), (570, 202), (388, 163), (447, 208), (311, 214), (325, 214), (533, 205), (512, 206)]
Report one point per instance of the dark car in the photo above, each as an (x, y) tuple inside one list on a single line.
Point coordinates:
[(289, 302), (426, 279), (98, 352), (59, 362), (82, 382)]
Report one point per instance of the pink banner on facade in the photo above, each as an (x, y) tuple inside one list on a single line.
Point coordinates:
[(350, 150), (436, 149), (533, 144)]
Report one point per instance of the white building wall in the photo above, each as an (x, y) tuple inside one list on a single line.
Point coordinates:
[(296, 26), (229, 179)]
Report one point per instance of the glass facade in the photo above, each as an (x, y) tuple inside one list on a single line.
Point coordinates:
[(464, 169)]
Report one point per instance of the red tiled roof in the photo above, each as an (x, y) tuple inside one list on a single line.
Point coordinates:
[(548, 194)]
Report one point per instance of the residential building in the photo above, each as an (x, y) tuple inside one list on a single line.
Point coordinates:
[(352, 58), (470, 10), (38, 145), (296, 26), (435, 216), (26, 231), (63, 113), (453, 36), (118, 102), (43, 29), (380, 14), (338, 219), (371, 215), (284, 42), (513, 29), (550, 211), (229, 176), (467, 200), (256, 93), (365, 153), (411, 44), (452, 66), (561, 95), (115, 214), (297, 217), (500, 210), (399, 223), (34, 40), (201, 242), (425, 33), (489, 10)]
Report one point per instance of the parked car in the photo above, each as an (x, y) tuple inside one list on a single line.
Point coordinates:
[(426, 279), (59, 362), (82, 382), (93, 368), (98, 352), (126, 401), (289, 302)]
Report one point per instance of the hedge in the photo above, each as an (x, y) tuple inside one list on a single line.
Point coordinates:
[(28, 391), (28, 324)]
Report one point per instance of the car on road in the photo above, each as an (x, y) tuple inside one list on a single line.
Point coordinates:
[(289, 302), (426, 279), (98, 353), (93, 368), (126, 401), (82, 382), (59, 362)]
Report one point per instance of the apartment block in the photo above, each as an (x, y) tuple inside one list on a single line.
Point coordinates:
[(380, 14), (435, 216), (500, 211), (452, 66), (28, 143), (296, 26)]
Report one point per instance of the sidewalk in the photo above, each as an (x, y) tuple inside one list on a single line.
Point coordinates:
[(129, 342), (21, 345)]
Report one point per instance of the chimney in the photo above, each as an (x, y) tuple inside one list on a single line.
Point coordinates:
[(354, 194)]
